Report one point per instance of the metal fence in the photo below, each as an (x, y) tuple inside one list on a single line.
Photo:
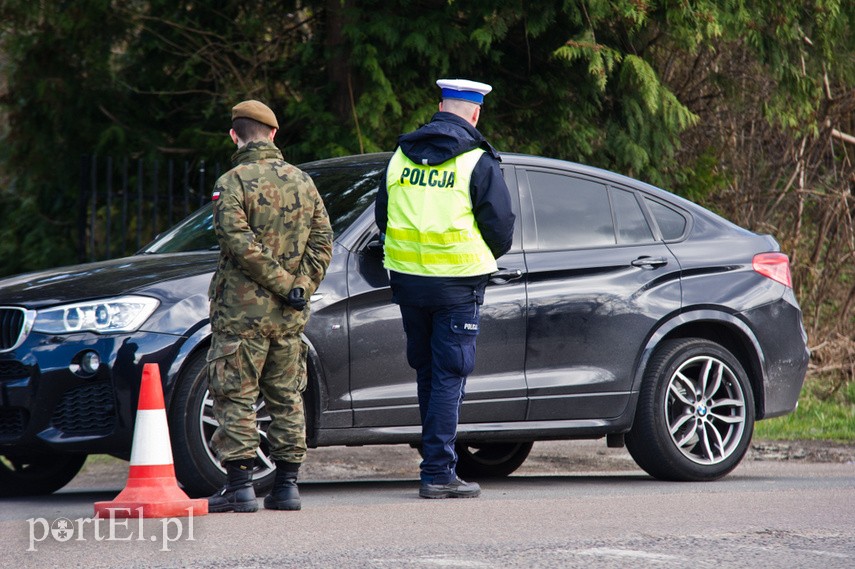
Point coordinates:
[(125, 203)]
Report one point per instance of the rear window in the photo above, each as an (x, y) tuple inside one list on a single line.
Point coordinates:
[(570, 212), (671, 223), (631, 224)]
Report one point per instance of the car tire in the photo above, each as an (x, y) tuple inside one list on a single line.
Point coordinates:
[(37, 475), (695, 415), (490, 460), (192, 425)]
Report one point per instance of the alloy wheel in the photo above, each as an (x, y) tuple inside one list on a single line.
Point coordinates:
[(264, 464), (705, 410)]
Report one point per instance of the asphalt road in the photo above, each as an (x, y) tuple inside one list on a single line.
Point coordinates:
[(602, 513)]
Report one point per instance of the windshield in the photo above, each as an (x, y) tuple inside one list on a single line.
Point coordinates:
[(346, 191)]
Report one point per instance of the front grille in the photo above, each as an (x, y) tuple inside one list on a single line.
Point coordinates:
[(12, 322), (87, 410), (13, 421), (10, 369)]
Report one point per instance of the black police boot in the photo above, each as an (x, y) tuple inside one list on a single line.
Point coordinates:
[(284, 495), (457, 488), (237, 495)]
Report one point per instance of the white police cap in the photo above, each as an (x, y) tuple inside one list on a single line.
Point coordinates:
[(464, 89)]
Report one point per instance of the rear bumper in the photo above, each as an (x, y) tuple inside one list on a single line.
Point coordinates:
[(780, 332)]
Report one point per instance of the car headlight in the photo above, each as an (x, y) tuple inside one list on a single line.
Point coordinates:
[(123, 314)]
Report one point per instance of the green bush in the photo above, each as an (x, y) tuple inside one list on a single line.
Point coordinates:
[(822, 414)]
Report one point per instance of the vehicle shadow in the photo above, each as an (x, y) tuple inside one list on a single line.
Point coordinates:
[(368, 492), (490, 486)]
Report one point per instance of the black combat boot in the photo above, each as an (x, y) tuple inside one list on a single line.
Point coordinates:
[(284, 495), (237, 495)]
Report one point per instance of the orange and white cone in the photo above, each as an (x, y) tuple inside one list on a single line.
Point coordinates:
[(152, 490)]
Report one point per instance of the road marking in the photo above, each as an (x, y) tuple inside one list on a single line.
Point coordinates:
[(609, 552), (437, 562)]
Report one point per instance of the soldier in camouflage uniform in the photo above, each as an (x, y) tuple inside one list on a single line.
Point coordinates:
[(275, 246)]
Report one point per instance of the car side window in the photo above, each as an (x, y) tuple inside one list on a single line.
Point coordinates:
[(570, 212), (671, 223), (632, 226), (510, 176)]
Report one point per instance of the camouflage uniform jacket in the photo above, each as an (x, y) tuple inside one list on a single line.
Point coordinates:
[(274, 235)]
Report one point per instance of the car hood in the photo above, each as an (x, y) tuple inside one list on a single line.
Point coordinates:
[(101, 279)]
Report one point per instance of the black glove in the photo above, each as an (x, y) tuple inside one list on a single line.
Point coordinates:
[(295, 299)]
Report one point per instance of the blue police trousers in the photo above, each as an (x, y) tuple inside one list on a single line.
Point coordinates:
[(441, 348)]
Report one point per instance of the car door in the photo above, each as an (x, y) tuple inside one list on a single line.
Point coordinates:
[(382, 384), (598, 282)]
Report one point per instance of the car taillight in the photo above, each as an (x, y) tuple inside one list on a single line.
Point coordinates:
[(776, 266)]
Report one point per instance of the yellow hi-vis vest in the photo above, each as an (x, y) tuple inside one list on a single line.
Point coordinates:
[(431, 229)]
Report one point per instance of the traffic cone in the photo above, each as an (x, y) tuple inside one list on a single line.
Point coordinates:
[(152, 490)]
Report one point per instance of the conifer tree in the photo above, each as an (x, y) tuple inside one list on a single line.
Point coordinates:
[(617, 84)]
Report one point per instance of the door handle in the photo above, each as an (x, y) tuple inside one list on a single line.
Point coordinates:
[(649, 262), (504, 276)]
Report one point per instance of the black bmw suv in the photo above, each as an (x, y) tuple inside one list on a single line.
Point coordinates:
[(622, 312)]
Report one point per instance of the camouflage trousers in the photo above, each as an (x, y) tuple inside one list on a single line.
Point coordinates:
[(239, 369)]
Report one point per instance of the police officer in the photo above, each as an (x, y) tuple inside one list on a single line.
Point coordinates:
[(446, 216), (275, 246)]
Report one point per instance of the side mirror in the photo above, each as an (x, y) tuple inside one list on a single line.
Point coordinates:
[(374, 248), (370, 263)]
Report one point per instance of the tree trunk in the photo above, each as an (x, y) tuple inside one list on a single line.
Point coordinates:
[(338, 58)]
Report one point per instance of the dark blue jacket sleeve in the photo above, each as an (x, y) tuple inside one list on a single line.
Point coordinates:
[(491, 203), (381, 204)]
